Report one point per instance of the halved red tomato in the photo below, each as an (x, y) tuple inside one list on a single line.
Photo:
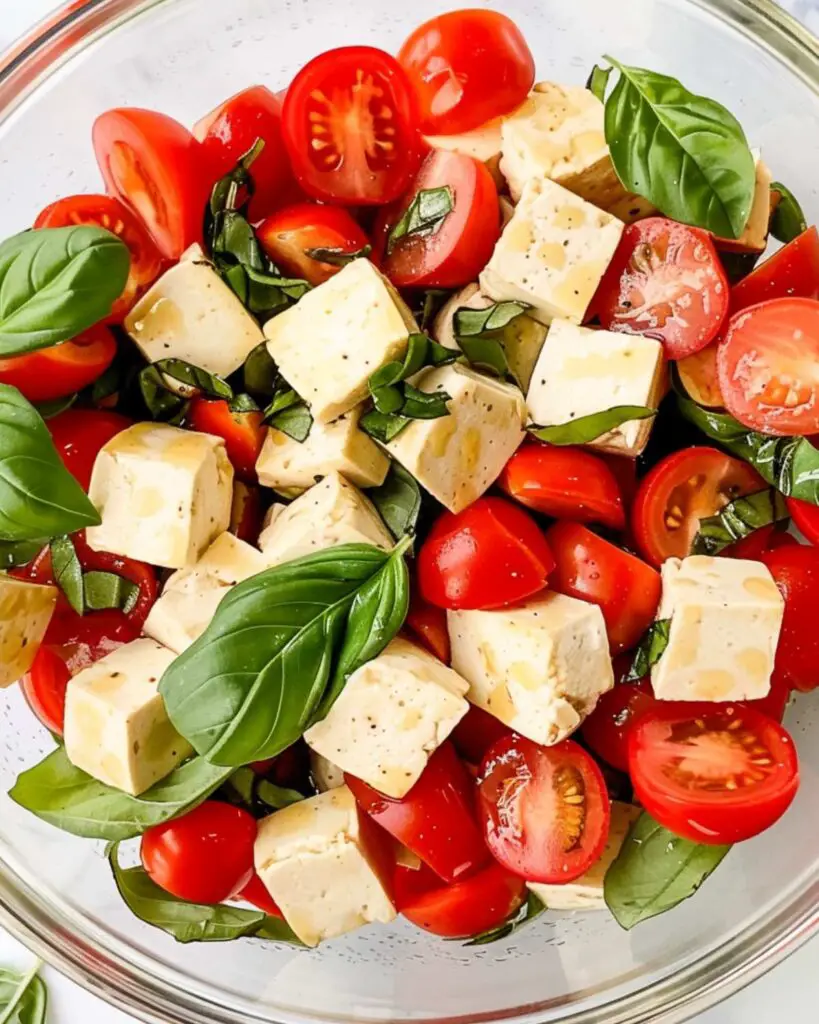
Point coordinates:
[(792, 271), (607, 728), (795, 570), (78, 435), (665, 281), (545, 809), (805, 517), (428, 623), (243, 432), (712, 773), (294, 237), (62, 369)]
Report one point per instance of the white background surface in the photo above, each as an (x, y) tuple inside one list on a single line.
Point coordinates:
[(789, 994)]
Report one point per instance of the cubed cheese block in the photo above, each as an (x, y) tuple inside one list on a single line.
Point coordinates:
[(754, 238), (483, 143), (552, 253), (582, 371), (457, 457), (337, 335), (191, 596), (393, 713), (25, 611), (322, 863), (330, 513), (163, 494), (726, 614), (292, 466), (539, 667), (324, 773), (116, 726), (586, 892), (522, 338), (191, 314)]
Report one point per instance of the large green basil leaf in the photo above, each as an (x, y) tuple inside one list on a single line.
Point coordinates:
[(23, 997), (531, 909), (252, 683), (38, 496), (738, 519), (586, 429), (654, 871), (57, 282), (788, 221), (684, 153), (649, 651), (67, 798), (398, 501)]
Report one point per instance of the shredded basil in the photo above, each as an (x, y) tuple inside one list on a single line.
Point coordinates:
[(650, 649), (788, 220), (586, 429), (738, 519), (337, 257), (424, 216), (68, 572)]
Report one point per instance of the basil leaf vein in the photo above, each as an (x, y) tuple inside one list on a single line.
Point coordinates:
[(738, 519), (586, 429), (788, 220), (398, 501), (424, 216), (68, 572), (650, 649)]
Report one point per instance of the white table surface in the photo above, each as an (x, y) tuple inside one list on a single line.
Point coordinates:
[(790, 993)]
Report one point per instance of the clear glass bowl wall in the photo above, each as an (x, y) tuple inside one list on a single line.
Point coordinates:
[(183, 56)]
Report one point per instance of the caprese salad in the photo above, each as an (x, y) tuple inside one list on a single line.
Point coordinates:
[(395, 474)]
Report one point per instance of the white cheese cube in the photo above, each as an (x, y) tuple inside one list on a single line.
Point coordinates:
[(324, 773), (292, 466), (457, 457), (725, 614), (754, 237), (163, 494), (332, 512), (116, 726), (539, 667), (191, 595), (25, 612), (586, 892), (483, 143), (322, 863), (393, 713), (191, 314), (552, 253), (337, 335), (582, 371)]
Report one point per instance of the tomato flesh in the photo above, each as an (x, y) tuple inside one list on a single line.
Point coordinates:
[(795, 570), (78, 436), (243, 432), (289, 236), (61, 370), (792, 271)]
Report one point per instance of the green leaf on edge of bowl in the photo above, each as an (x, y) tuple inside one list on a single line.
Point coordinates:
[(23, 997), (528, 911)]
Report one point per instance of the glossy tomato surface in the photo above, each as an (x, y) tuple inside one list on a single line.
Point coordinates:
[(61, 370), (243, 432), (296, 237), (607, 728), (805, 517), (255, 892), (792, 271), (246, 513), (476, 732), (78, 436), (795, 570), (428, 623)]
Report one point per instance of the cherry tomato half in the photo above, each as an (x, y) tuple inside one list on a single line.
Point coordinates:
[(428, 623), (490, 555), (766, 538), (62, 369), (607, 728), (292, 234), (665, 281), (712, 773), (243, 432), (255, 892), (351, 127), (78, 436), (805, 517), (795, 570), (792, 271)]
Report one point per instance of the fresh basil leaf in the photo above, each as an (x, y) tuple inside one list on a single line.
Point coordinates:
[(424, 216), (472, 323), (655, 871), (487, 354), (598, 81), (337, 257), (398, 501), (257, 795), (107, 590), (57, 282), (195, 377), (68, 572), (162, 404), (686, 154), (248, 687), (421, 351), (108, 383), (243, 403), (295, 420), (70, 800), (649, 651), (261, 375), (428, 304), (585, 429), (382, 426), (738, 519), (38, 496), (268, 292), (530, 910), (277, 797), (424, 405), (23, 997), (19, 552), (57, 405), (788, 221), (227, 191)]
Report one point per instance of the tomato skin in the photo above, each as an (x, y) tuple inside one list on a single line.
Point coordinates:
[(428, 623), (255, 892), (591, 569), (204, 856), (792, 271), (773, 704), (61, 370), (795, 570), (566, 483), (44, 686), (246, 512), (446, 59), (490, 555), (667, 770), (805, 517), (78, 436), (289, 233), (243, 432), (476, 732), (607, 728)]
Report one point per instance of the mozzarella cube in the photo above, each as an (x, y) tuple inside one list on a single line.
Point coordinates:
[(321, 862), (332, 512), (393, 713), (586, 892), (457, 457), (25, 612), (539, 667), (553, 253), (324, 773), (191, 595), (292, 466), (163, 494), (483, 144), (754, 237), (116, 726), (582, 371), (329, 343), (726, 614), (191, 314)]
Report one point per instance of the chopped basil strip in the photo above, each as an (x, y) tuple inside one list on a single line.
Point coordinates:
[(23, 996), (422, 351), (383, 426), (487, 354), (471, 323), (107, 590), (68, 572), (424, 215), (649, 650), (243, 403), (57, 405), (737, 520), (585, 429), (428, 304), (398, 501), (260, 373), (598, 81), (195, 377), (531, 909), (162, 404), (337, 257), (296, 421), (424, 405), (788, 220), (20, 552), (258, 795)]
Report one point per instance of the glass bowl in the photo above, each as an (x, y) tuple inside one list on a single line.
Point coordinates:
[(56, 894)]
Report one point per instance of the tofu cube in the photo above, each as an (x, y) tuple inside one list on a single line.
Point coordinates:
[(755, 236), (539, 667), (322, 861), (483, 144), (582, 371), (191, 314), (191, 595), (163, 494), (324, 773), (329, 343), (292, 466), (116, 726), (586, 892), (552, 253), (726, 614), (25, 612), (393, 713), (457, 457), (332, 512)]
